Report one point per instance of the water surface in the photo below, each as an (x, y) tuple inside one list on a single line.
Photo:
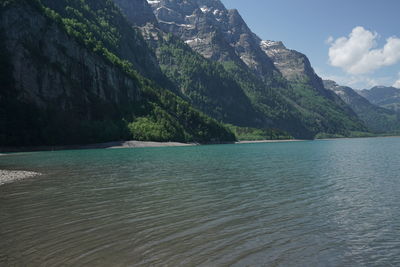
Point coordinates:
[(316, 203)]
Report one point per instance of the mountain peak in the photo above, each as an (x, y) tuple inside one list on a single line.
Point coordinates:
[(330, 84), (382, 87), (268, 44)]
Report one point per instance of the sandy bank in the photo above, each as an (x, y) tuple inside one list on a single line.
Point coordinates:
[(123, 144), (11, 176), (116, 144), (134, 144), (269, 141)]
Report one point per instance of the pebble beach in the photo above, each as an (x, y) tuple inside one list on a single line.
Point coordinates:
[(12, 176)]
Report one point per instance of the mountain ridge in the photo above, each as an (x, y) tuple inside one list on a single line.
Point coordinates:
[(198, 22), (379, 120), (383, 96)]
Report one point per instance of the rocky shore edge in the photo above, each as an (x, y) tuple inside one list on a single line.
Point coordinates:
[(12, 176)]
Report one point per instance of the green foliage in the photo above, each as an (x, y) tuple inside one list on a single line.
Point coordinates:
[(279, 111), (204, 83), (253, 134), (320, 113), (356, 134), (228, 92), (146, 129)]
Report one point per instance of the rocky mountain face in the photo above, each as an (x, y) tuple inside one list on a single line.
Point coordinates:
[(206, 85), (377, 119), (222, 35), (55, 75), (387, 97), (213, 31), (293, 65), (137, 11), (74, 73)]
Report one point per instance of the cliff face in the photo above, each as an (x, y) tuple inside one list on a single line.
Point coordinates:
[(51, 67), (71, 80), (58, 86), (293, 65), (137, 11)]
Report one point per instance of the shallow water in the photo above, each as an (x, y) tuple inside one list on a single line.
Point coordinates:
[(316, 203)]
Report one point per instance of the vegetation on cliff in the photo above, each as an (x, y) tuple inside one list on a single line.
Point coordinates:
[(97, 26)]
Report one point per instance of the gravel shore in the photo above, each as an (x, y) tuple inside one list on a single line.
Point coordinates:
[(269, 141), (133, 144), (117, 144), (11, 176)]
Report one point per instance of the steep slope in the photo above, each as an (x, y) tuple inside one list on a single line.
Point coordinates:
[(72, 72), (307, 87), (294, 66), (137, 11), (386, 97), (213, 31), (227, 92), (222, 35), (377, 119), (205, 84)]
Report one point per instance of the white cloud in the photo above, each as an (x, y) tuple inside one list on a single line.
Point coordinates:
[(329, 40), (358, 81), (397, 83), (357, 53)]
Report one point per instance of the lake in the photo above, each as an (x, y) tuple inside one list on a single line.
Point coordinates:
[(311, 203)]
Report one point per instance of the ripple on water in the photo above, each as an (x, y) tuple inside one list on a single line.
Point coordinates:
[(323, 203)]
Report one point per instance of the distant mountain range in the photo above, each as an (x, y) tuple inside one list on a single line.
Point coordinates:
[(377, 119), (164, 70), (387, 97)]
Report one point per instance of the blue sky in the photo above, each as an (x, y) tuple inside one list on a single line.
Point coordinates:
[(306, 25)]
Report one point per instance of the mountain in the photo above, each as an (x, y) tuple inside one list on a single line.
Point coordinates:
[(98, 70), (213, 31), (280, 83), (387, 97), (76, 72), (377, 119), (307, 88), (205, 84)]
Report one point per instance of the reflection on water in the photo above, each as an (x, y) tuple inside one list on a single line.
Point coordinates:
[(321, 203)]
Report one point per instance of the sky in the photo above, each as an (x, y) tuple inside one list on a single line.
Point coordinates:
[(354, 42)]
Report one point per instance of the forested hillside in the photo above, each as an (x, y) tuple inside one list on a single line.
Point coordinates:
[(76, 72)]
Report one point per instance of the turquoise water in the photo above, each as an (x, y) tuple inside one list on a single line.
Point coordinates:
[(314, 203)]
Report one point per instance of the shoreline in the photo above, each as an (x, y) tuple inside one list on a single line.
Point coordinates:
[(361, 137), (126, 144), (4, 151), (7, 176), (270, 141), (108, 145)]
